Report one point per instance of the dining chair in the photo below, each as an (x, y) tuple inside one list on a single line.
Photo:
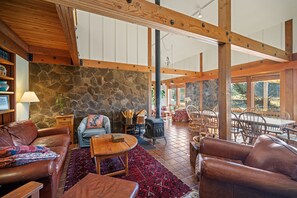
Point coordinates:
[(195, 118), (235, 126), (252, 125), (211, 122)]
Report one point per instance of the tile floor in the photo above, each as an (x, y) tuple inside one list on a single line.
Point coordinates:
[(175, 155)]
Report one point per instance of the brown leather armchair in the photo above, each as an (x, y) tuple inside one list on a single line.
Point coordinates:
[(267, 169), (47, 172)]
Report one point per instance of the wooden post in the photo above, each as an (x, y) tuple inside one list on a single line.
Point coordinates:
[(201, 84), (149, 46), (287, 91), (265, 96), (149, 100), (289, 37), (225, 72), (250, 93)]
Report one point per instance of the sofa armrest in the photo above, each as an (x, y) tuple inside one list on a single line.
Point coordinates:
[(28, 172), (224, 149), (238, 174), (107, 124), (53, 131)]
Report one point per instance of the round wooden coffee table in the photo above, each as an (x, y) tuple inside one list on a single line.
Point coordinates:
[(102, 147)]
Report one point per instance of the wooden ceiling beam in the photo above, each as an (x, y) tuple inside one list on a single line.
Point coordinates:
[(246, 69), (38, 58), (150, 15), (13, 36), (134, 67), (48, 51), (10, 41), (68, 24)]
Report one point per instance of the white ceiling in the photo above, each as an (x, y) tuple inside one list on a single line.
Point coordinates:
[(248, 17)]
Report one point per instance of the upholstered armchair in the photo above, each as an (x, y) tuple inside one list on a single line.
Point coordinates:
[(85, 134), (266, 169)]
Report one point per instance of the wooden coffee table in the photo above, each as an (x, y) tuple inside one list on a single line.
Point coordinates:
[(102, 148)]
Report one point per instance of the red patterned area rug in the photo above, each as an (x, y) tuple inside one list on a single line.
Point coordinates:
[(153, 178)]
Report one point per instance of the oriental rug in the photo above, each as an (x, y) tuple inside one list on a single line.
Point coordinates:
[(153, 178)]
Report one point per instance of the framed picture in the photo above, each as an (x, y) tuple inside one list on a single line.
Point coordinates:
[(4, 102)]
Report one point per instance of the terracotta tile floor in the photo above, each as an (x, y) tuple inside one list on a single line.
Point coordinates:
[(175, 155)]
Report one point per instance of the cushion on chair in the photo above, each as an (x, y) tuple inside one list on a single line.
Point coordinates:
[(272, 154), (94, 121), (91, 132)]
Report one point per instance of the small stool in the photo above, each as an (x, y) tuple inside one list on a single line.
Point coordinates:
[(94, 185)]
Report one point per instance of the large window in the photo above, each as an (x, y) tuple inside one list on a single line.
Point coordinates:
[(181, 92), (238, 95), (267, 95), (172, 97)]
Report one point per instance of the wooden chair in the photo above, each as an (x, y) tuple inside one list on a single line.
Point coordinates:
[(235, 126), (211, 122), (252, 125), (289, 135), (30, 189), (195, 118)]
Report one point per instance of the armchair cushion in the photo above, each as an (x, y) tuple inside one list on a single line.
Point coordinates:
[(88, 133), (274, 155), (94, 121)]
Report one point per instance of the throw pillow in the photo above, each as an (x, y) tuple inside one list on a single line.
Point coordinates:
[(94, 121), (271, 154), (13, 150), (22, 132)]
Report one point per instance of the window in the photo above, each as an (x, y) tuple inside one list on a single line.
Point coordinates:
[(172, 96), (238, 95), (267, 95), (181, 92)]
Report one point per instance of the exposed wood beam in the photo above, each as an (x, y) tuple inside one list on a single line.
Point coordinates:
[(51, 59), (201, 63), (245, 69), (132, 67), (9, 45), (68, 24), (13, 36), (148, 14), (48, 51), (289, 36)]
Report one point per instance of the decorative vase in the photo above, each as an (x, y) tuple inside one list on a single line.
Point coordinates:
[(4, 86), (3, 70)]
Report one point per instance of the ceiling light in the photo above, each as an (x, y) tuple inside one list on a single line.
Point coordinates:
[(199, 15)]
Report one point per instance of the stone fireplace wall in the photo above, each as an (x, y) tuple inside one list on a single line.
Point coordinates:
[(86, 91), (210, 93)]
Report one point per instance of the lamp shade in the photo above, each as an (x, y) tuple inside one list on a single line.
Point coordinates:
[(188, 99), (29, 96)]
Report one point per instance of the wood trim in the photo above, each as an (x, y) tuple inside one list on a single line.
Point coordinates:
[(201, 96), (289, 36), (201, 63), (249, 94), (67, 20), (150, 15), (36, 58), (13, 36), (48, 51), (149, 108), (134, 67), (9, 45)]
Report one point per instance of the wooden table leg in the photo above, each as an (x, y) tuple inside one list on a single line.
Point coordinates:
[(126, 163), (98, 165)]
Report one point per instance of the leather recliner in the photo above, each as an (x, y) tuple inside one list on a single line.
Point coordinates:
[(47, 172), (266, 169)]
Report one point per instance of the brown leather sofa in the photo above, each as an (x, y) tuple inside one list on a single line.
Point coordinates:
[(267, 169), (47, 172)]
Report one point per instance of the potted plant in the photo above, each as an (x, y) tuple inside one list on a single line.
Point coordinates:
[(60, 102)]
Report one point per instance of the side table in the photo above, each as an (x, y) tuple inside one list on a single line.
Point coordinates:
[(194, 150), (66, 120)]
